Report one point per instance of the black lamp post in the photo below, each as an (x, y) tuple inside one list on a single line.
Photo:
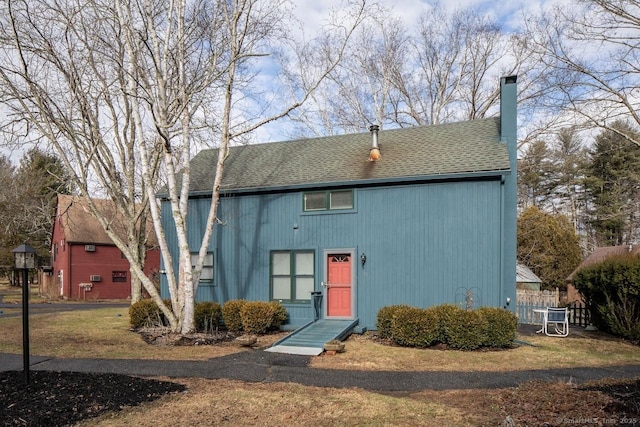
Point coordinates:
[(25, 257)]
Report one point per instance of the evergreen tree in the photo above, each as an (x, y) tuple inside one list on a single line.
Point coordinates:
[(534, 173), (8, 207), (569, 159), (27, 201), (613, 184), (551, 177), (548, 245), (41, 177)]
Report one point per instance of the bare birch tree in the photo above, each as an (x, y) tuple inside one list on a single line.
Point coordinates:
[(61, 88), (445, 70), (126, 89), (592, 49)]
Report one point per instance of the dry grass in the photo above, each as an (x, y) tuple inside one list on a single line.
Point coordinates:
[(99, 333), (226, 402), (364, 353), (104, 333), (218, 402), (13, 294)]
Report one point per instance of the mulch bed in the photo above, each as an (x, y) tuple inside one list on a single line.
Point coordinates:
[(65, 398), (540, 403), (164, 337)]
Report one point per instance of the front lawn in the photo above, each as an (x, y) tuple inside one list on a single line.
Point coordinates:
[(105, 333)]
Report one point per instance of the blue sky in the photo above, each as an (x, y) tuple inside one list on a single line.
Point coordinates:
[(509, 13)]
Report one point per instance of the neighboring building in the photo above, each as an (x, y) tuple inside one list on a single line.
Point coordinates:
[(86, 264), (432, 220), (526, 279), (597, 256)]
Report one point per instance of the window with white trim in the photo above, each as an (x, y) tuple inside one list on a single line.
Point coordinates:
[(292, 275)]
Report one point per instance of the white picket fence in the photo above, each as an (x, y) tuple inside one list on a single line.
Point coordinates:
[(529, 300)]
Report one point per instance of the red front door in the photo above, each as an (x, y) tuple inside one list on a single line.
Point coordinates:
[(339, 285)]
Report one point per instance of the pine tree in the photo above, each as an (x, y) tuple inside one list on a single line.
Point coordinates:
[(613, 184)]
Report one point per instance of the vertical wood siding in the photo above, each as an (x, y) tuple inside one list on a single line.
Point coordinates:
[(425, 244)]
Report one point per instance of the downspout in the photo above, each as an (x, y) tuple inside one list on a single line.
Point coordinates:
[(501, 301)]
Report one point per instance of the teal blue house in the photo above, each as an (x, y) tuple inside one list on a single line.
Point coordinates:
[(431, 221)]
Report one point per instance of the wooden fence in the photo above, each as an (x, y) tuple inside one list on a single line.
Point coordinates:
[(528, 301)]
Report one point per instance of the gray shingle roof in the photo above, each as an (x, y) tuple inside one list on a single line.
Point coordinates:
[(525, 275), (415, 153)]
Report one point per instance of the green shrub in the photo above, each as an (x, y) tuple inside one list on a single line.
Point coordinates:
[(256, 316), (207, 316), (278, 314), (231, 314), (447, 324), (144, 314), (501, 327), (466, 330), (414, 327), (445, 315), (611, 290), (385, 319)]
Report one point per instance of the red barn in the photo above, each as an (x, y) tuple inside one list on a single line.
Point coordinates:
[(86, 264)]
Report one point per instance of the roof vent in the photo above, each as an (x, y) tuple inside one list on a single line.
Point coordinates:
[(374, 152)]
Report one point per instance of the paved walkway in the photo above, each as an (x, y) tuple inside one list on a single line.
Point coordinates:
[(261, 366)]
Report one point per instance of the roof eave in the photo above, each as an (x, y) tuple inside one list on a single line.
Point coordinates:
[(360, 183)]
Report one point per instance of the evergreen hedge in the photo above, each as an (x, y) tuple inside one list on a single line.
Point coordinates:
[(257, 317), (447, 324), (254, 317), (501, 327), (278, 314), (385, 319), (467, 330), (231, 314), (414, 327), (207, 316), (146, 314), (611, 290)]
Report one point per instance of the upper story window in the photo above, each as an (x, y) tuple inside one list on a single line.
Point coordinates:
[(327, 200)]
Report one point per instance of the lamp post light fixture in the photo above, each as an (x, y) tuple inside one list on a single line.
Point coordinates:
[(25, 257)]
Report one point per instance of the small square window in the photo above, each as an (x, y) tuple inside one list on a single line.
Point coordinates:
[(341, 199), (206, 274), (315, 201), (118, 276)]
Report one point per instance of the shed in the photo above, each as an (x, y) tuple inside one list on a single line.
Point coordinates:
[(526, 279)]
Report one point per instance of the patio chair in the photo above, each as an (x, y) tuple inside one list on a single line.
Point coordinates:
[(556, 322)]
